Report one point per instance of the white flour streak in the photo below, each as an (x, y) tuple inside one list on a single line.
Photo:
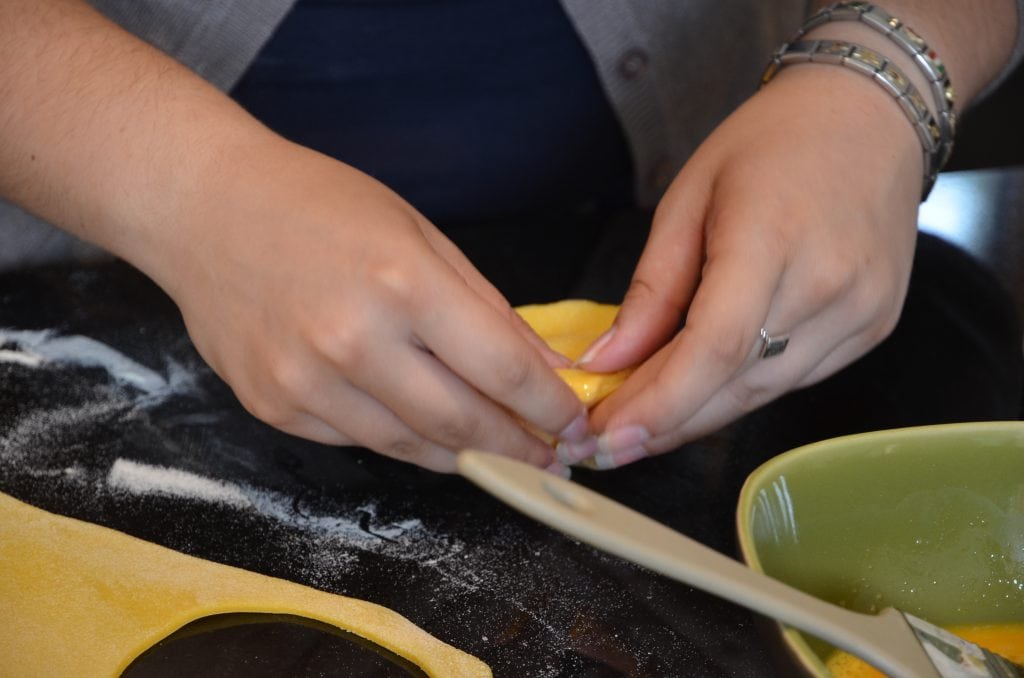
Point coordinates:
[(360, 527), (74, 473), (26, 358), (179, 380), (146, 479), (35, 347)]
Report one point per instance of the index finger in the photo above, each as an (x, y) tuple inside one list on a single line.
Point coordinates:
[(719, 337), (488, 351), (482, 286)]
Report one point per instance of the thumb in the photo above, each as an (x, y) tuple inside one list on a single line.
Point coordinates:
[(662, 286)]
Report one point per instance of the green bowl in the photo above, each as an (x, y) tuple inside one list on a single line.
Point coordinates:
[(929, 520)]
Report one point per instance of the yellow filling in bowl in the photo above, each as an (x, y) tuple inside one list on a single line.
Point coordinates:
[(1006, 640)]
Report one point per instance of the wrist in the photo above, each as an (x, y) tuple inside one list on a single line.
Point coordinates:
[(974, 39), (865, 36), (193, 207), (871, 133), (894, 57)]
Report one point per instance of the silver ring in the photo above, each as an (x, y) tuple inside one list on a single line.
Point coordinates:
[(772, 346)]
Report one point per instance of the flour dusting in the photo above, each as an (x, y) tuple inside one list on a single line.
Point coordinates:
[(171, 482), (141, 436), (34, 348), (41, 431), (359, 527), (20, 357), (132, 437)]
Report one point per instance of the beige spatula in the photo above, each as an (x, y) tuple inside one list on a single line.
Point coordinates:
[(894, 642)]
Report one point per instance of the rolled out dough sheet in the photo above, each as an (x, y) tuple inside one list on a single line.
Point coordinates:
[(79, 599)]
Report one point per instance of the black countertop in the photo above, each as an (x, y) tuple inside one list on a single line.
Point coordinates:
[(98, 433), (94, 437), (982, 211)]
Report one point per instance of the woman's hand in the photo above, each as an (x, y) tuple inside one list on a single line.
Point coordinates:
[(797, 215), (331, 307), (338, 313)]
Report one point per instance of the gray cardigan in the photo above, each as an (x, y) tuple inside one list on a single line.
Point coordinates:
[(669, 84)]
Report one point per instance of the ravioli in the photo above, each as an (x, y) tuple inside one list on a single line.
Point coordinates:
[(570, 327)]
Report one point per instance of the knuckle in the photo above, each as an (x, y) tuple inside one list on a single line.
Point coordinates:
[(458, 429), (729, 350), (269, 410), (640, 291), (396, 282), (748, 394), (288, 379), (404, 449), (266, 391), (646, 293), (512, 373), (832, 280), (874, 304), (346, 347), (881, 330)]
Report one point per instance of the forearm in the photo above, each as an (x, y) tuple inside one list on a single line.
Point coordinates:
[(974, 38), (102, 134)]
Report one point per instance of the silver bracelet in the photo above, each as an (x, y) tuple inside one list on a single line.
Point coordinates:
[(877, 67), (911, 43)]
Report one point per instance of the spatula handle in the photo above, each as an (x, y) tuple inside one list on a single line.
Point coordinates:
[(593, 518)]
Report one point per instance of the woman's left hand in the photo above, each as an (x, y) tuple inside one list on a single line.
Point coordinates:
[(797, 215)]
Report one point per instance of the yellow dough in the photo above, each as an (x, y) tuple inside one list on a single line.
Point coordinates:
[(78, 599), (570, 327)]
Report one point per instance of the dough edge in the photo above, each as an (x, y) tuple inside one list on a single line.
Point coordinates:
[(83, 599)]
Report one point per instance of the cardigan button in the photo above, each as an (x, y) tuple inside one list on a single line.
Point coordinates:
[(633, 63)]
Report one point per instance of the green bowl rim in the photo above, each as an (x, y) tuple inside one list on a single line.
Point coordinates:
[(793, 639)]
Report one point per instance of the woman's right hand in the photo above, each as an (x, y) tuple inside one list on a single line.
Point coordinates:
[(338, 313), (333, 309)]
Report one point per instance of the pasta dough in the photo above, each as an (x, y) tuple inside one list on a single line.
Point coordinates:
[(570, 327), (80, 599)]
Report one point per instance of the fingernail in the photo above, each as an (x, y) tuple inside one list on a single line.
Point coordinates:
[(561, 361), (596, 347), (572, 453), (577, 430), (609, 460), (621, 446), (559, 470), (622, 438)]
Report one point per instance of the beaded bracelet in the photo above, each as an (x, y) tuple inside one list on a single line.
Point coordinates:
[(877, 67), (911, 43)]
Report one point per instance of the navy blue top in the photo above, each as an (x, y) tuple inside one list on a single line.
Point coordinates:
[(470, 109)]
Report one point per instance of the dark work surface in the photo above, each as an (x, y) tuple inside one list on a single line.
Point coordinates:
[(78, 438), (989, 133), (982, 211), (267, 646)]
